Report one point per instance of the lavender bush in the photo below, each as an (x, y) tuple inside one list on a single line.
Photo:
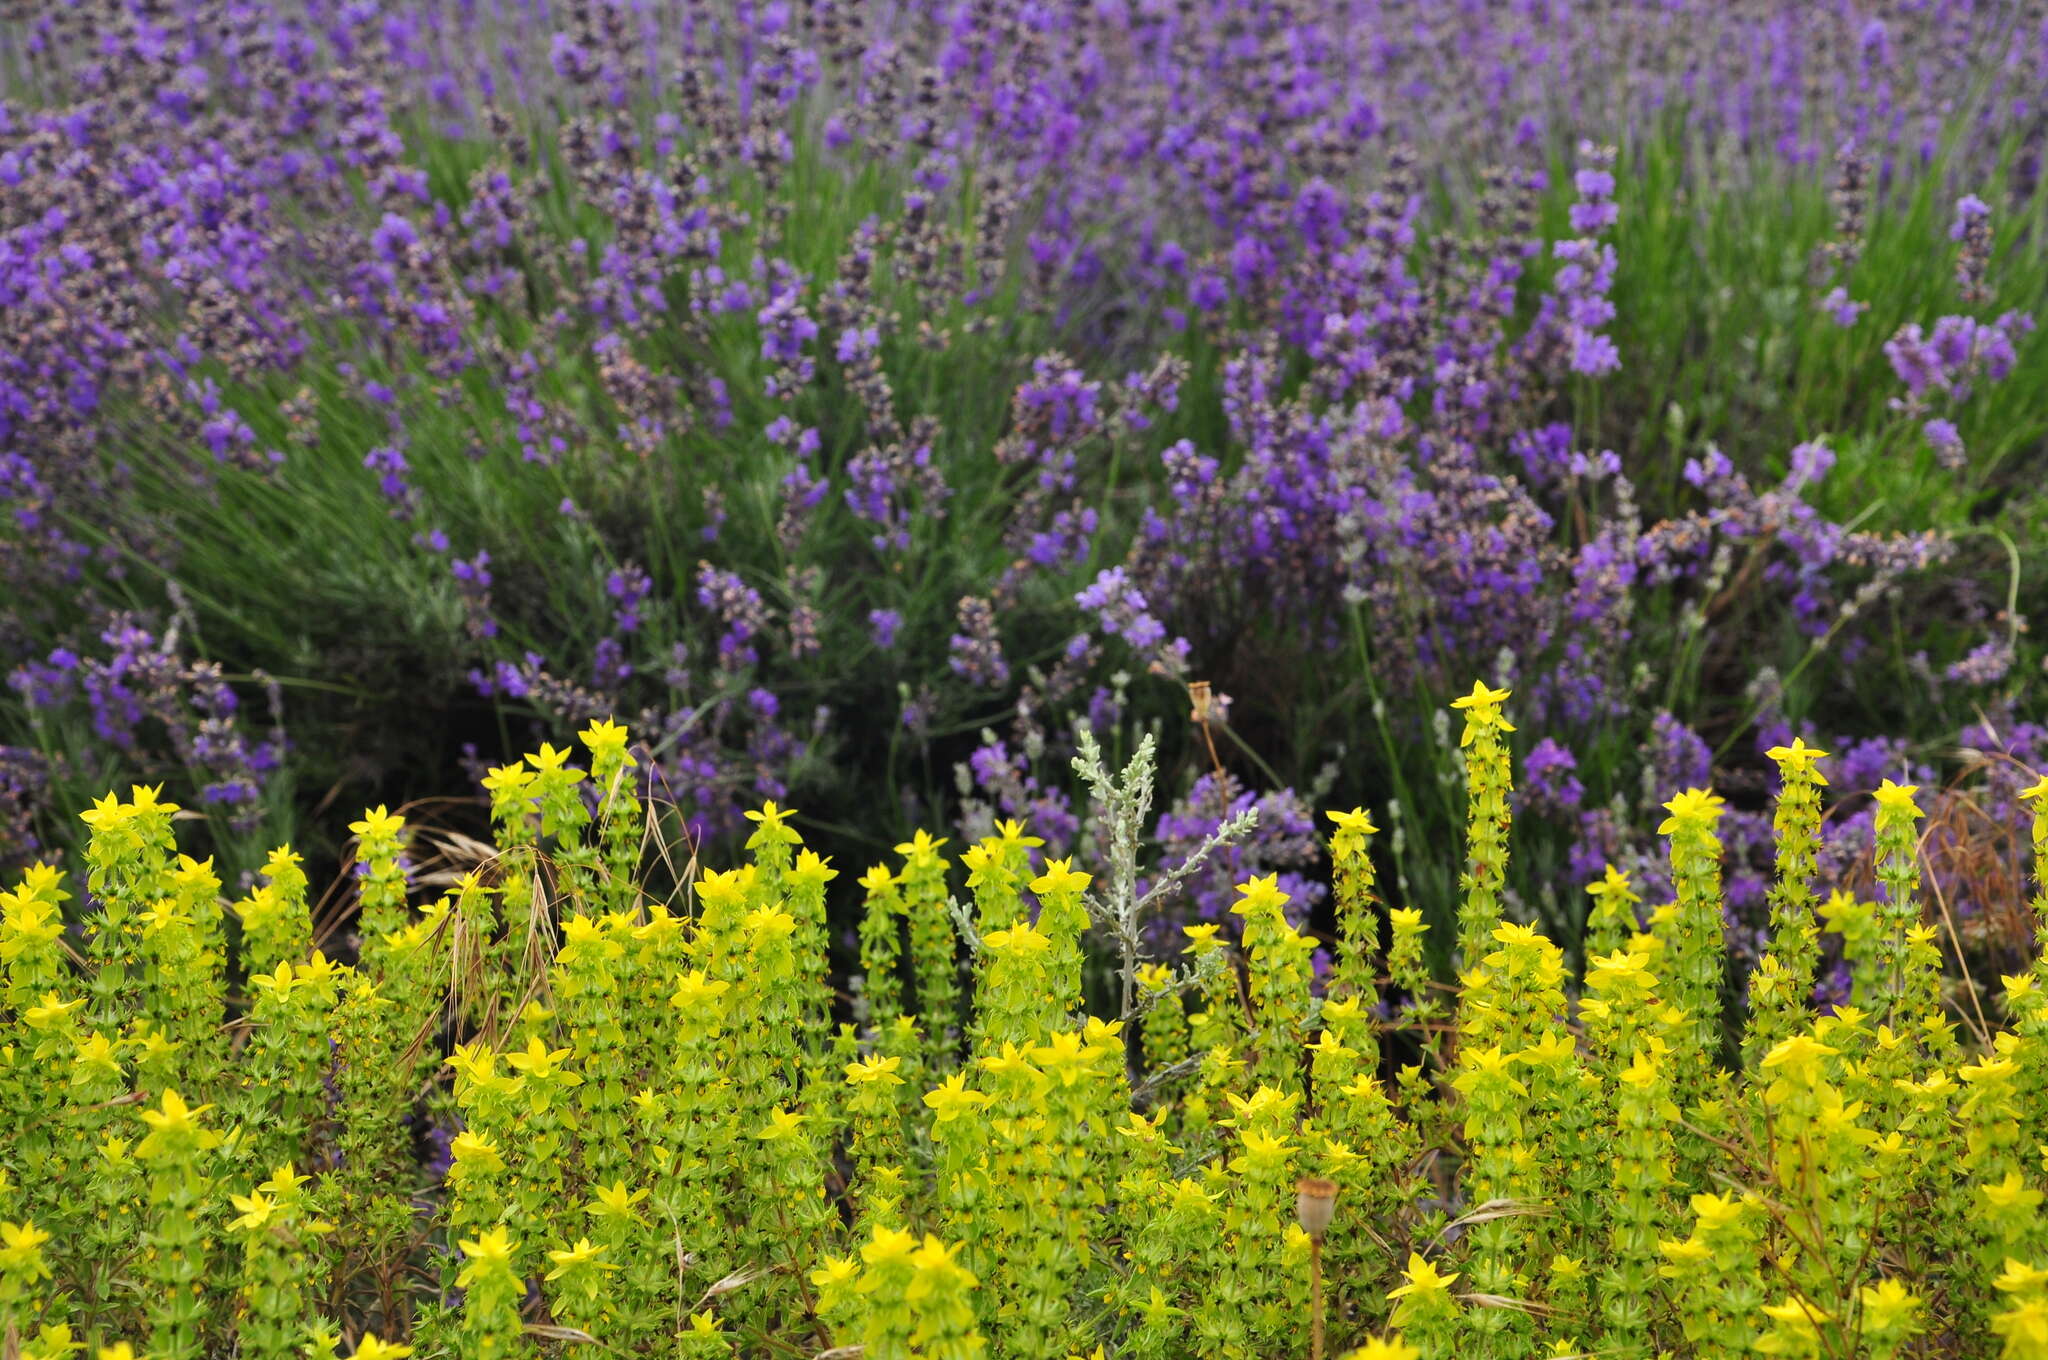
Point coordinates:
[(860, 397)]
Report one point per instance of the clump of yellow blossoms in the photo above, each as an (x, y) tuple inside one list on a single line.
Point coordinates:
[(671, 1130)]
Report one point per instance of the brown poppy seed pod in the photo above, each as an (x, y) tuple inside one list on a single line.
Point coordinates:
[(1315, 1201)]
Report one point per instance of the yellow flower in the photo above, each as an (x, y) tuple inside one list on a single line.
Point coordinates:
[(284, 1181), (538, 1060), (473, 1149), (95, 1057), (1482, 707), (935, 1266), (2011, 1193), (1717, 1211), (1059, 877), (2025, 1329), (765, 924), (1798, 758), (2021, 1278), (379, 824), (921, 846), (1260, 894), (1898, 798), (1482, 697), (953, 1099), (21, 1251), (1022, 939), (255, 1209), (106, 814), (51, 1012), (1888, 1307), (811, 867), (837, 1272), (1799, 1055), (614, 1201), (1421, 1278), (774, 828), (2037, 792), (1010, 832), (370, 1348), (172, 1119), (582, 1254), (605, 735), (864, 1071), (488, 1251), (781, 1124), (1692, 808), (695, 988), (889, 1246)]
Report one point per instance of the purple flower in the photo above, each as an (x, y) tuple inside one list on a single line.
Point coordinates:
[(882, 627)]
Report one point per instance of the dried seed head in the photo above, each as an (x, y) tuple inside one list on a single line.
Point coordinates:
[(1315, 1202)]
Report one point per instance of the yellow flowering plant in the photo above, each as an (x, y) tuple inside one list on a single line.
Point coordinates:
[(672, 1130)]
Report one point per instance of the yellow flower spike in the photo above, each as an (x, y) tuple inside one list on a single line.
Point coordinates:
[(2037, 792), (1898, 799), (1059, 877), (371, 1348), (877, 879)]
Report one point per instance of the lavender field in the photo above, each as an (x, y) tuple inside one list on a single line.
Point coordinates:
[(883, 408)]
